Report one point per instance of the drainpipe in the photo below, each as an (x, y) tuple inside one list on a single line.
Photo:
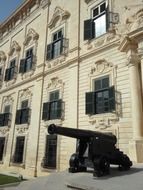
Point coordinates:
[(36, 164), (79, 8)]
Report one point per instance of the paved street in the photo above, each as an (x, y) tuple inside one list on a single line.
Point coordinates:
[(129, 180)]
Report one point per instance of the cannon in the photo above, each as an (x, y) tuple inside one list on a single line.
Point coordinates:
[(95, 149)]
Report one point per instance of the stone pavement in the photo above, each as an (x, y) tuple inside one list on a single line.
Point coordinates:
[(117, 180)]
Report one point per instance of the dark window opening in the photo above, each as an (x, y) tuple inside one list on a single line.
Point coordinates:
[(23, 114), (102, 100), (100, 22), (58, 45), (2, 144), (19, 150), (10, 72), (27, 63), (53, 108), (50, 152)]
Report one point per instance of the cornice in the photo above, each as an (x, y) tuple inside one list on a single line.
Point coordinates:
[(17, 17)]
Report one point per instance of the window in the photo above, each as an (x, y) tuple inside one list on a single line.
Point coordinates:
[(50, 152), (102, 99), (2, 143), (5, 117), (58, 45), (23, 114), (101, 20), (26, 64), (9, 73), (53, 108), (19, 150)]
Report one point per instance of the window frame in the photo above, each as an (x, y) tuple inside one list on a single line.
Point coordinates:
[(93, 105)]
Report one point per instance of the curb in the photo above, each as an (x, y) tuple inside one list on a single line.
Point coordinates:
[(9, 185)]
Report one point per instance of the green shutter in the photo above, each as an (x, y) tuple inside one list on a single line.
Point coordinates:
[(7, 118), (1, 120), (46, 110), (59, 108), (22, 66), (2, 144), (25, 115), (18, 117), (89, 29), (112, 98), (7, 75), (90, 103), (49, 51)]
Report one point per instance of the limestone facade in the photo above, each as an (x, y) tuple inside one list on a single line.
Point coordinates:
[(49, 62)]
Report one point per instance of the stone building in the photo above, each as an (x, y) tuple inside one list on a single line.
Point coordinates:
[(75, 63)]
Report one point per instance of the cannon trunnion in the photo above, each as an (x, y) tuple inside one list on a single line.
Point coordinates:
[(95, 149)]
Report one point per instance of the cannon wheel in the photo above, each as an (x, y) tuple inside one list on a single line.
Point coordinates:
[(101, 166), (126, 163), (75, 165)]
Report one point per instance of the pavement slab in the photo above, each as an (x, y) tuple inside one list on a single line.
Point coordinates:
[(117, 180)]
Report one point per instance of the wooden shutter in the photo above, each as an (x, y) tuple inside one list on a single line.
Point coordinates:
[(18, 117), (6, 75), (90, 103), (7, 118), (49, 51), (2, 144), (25, 115), (59, 108), (89, 29), (1, 120), (22, 66), (46, 111), (112, 98)]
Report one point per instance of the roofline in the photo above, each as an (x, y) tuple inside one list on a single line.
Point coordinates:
[(16, 11)]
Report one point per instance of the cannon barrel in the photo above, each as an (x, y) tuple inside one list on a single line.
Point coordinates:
[(81, 133)]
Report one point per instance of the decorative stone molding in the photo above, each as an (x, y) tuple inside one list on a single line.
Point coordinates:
[(31, 36), (25, 94), (103, 122), (14, 47), (4, 130), (2, 56), (133, 59), (56, 62), (102, 41), (87, 1), (59, 14), (101, 66), (45, 3), (8, 100), (55, 83), (22, 129)]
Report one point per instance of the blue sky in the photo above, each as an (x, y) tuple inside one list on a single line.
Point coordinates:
[(7, 7)]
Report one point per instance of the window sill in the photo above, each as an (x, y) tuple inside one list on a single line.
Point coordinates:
[(100, 40), (27, 74), (21, 165), (22, 127), (50, 170), (103, 120), (56, 61), (55, 121)]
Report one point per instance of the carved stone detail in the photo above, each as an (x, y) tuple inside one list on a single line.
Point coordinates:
[(14, 47), (22, 129), (55, 83), (31, 36), (87, 1), (59, 14), (101, 66), (57, 61), (44, 3), (4, 130), (8, 100), (2, 56)]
